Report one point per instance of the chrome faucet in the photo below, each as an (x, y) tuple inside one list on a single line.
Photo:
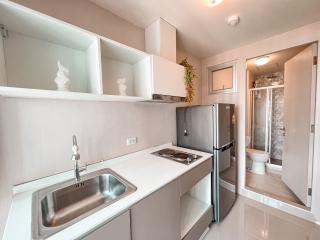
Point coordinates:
[(76, 158)]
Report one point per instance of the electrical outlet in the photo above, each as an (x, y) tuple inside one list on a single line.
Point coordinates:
[(132, 140)]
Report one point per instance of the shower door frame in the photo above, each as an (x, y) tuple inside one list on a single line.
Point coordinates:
[(268, 118)]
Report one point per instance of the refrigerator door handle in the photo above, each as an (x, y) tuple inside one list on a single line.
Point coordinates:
[(215, 187), (225, 147)]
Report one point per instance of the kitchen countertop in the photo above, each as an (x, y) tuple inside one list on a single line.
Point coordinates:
[(146, 171)]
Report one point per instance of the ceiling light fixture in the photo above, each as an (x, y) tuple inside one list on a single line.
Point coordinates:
[(213, 3), (262, 60)]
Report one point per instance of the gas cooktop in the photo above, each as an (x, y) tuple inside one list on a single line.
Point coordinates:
[(176, 155)]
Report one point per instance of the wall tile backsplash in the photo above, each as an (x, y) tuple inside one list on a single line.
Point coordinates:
[(37, 134)]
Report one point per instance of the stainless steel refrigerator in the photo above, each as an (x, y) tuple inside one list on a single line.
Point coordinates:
[(212, 129)]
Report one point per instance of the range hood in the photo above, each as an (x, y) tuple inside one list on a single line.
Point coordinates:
[(160, 39), (167, 99)]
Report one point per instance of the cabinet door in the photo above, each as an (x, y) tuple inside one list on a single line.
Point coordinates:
[(168, 77), (117, 229), (157, 217)]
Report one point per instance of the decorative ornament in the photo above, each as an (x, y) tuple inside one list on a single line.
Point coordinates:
[(122, 86), (62, 79), (189, 76)]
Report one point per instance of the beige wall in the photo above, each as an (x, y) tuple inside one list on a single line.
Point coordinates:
[(306, 34), (35, 135), (89, 16)]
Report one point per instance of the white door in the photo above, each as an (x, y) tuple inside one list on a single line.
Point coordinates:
[(299, 104)]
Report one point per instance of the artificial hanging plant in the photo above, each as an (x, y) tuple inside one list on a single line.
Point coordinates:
[(189, 76)]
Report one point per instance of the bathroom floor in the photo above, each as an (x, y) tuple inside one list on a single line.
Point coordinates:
[(250, 220), (271, 185)]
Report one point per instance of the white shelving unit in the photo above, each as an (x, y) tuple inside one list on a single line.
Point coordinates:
[(120, 61), (194, 205), (192, 209), (33, 42), (47, 94), (33, 45)]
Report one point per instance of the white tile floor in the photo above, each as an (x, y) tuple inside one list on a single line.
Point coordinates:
[(250, 220)]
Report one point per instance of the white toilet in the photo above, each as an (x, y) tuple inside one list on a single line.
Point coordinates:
[(259, 159)]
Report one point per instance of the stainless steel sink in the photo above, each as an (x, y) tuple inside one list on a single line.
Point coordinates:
[(61, 205)]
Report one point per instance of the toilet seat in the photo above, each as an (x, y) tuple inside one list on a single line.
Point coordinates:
[(257, 153), (259, 158)]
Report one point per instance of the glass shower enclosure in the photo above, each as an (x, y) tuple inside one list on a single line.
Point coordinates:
[(267, 122)]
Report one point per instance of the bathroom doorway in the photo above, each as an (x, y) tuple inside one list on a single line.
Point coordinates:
[(267, 131), (280, 124)]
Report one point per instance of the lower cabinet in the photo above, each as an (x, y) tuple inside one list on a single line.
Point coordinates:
[(157, 217), (117, 229), (179, 210)]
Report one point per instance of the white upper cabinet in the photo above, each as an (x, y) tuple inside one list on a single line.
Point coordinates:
[(32, 43), (161, 39), (168, 77)]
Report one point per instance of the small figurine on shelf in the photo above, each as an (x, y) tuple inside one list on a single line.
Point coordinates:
[(62, 79), (122, 86)]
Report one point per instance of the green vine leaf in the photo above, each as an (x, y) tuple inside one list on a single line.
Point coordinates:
[(189, 76)]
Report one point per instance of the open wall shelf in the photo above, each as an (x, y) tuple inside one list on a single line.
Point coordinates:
[(122, 62), (35, 43), (31, 44)]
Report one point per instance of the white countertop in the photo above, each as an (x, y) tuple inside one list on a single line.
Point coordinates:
[(146, 171)]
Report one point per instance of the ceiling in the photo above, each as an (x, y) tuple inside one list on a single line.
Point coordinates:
[(276, 63), (203, 31)]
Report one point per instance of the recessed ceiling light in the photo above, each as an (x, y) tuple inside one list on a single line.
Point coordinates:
[(213, 3), (262, 60)]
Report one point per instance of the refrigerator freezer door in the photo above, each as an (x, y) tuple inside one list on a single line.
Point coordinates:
[(195, 128), (224, 124)]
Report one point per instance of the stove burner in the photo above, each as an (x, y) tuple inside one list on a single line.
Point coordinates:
[(181, 155), (177, 155), (167, 152)]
